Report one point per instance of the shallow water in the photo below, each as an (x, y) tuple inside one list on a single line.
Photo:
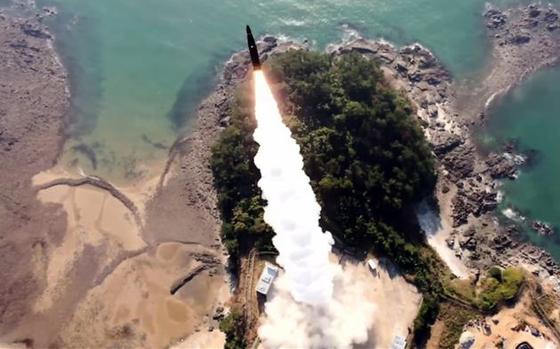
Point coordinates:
[(530, 114), (140, 68)]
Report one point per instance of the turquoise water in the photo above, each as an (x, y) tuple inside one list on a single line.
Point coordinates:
[(139, 69), (531, 115)]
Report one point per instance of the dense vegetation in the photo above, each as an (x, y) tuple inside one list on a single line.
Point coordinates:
[(499, 286), (454, 319), (233, 325), (235, 177), (365, 154), (466, 300)]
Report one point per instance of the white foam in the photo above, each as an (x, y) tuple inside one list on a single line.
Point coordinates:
[(513, 215)]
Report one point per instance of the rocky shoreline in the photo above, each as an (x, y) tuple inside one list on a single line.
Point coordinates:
[(468, 180), (34, 102), (524, 40), (187, 172)]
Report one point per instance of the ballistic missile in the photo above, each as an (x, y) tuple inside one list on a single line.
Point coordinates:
[(253, 50)]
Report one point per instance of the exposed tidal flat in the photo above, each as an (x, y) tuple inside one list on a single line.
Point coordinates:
[(136, 80)]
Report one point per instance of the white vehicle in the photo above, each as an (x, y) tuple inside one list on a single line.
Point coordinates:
[(267, 277), (398, 343), (372, 264)]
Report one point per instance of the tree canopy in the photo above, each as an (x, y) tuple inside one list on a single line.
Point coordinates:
[(364, 152)]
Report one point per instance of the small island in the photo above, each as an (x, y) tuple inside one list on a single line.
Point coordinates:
[(340, 105), (386, 135)]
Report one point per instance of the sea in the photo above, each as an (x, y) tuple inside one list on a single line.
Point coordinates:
[(138, 70)]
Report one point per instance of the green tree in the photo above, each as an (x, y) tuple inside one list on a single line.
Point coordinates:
[(363, 150), (233, 325)]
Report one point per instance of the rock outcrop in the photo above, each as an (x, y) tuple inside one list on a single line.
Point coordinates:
[(524, 40)]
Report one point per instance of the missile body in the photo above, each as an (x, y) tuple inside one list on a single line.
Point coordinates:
[(253, 50)]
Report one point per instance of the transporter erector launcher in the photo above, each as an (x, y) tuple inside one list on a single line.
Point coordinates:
[(253, 50)]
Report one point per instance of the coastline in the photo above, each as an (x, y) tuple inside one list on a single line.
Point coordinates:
[(33, 109), (469, 181), (99, 242), (466, 232), (177, 233)]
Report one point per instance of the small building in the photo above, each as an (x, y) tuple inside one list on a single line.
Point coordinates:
[(372, 264), (268, 275), (398, 343)]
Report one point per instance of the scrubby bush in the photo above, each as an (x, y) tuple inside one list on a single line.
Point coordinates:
[(426, 316), (233, 325), (496, 273), (502, 289)]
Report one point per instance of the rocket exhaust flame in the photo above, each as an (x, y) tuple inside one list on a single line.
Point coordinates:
[(313, 303)]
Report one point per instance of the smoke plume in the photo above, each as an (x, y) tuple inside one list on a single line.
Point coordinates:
[(314, 304)]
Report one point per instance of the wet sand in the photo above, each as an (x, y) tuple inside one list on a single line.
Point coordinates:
[(126, 297), (94, 218), (142, 312), (85, 262)]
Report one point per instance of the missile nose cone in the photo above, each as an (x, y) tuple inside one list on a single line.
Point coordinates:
[(253, 49)]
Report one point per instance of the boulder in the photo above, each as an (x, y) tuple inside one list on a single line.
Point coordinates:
[(466, 341), (35, 31), (551, 16), (444, 142), (501, 166), (519, 39), (460, 161), (542, 228), (469, 243), (534, 11), (495, 19), (500, 242)]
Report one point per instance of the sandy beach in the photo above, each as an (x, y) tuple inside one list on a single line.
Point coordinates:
[(437, 228)]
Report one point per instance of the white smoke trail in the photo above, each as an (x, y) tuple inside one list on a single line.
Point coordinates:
[(328, 310), (292, 210)]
